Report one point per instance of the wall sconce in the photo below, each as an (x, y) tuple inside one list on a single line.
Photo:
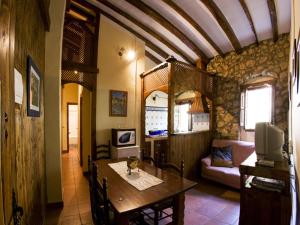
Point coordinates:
[(130, 54)]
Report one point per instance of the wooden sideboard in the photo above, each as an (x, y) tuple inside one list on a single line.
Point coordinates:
[(262, 207)]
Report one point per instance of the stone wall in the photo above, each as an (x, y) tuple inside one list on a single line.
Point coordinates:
[(235, 69)]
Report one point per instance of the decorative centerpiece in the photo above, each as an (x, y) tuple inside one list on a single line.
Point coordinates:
[(132, 163)]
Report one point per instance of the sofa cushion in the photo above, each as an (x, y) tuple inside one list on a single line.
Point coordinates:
[(225, 175), (222, 156), (241, 150)]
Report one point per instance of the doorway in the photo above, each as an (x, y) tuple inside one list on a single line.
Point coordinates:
[(72, 125)]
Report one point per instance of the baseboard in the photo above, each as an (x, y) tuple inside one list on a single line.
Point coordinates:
[(55, 205), (86, 173)]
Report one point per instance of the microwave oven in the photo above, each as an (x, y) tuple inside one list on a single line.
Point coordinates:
[(123, 137)]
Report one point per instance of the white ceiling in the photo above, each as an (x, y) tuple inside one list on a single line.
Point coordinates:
[(196, 9)]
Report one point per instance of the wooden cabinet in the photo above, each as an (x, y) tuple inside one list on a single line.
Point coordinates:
[(157, 148), (262, 207)]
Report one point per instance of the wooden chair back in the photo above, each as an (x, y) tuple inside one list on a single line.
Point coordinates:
[(103, 151), (172, 166), (100, 199), (150, 160)]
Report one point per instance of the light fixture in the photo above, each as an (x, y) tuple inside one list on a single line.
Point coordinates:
[(75, 71), (130, 55), (197, 106)]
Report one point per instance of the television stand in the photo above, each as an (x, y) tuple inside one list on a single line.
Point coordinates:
[(261, 206)]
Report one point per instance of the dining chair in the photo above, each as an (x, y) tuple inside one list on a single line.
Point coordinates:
[(103, 151), (160, 210), (90, 179), (102, 213)]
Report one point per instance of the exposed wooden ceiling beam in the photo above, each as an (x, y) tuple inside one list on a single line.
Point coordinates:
[(147, 29), (151, 45), (169, 26), (44, 10), (68, 4), (188, 18), (273, 16), (217, 13), (247, 12), (152, 57)]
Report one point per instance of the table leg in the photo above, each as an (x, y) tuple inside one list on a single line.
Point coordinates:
[(178, 210), (121, 219)]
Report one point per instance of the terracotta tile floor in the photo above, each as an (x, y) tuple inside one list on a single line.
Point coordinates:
[(76, 210), (207, 204)]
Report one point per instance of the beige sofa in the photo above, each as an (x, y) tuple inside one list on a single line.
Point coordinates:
[(241, 150)]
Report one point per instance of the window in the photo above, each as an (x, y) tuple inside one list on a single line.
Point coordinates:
[(256, 106)]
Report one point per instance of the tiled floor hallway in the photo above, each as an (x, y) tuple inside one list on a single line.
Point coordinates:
[(76, 210), (207, 204)]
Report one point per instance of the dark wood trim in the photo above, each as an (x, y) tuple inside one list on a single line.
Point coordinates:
[(148, 30), (273, 16), (152, 57), (80, 131), (218, 15), (158, 67), (188, 18), (170, 27), (247, 12), (68, 4), (55, 205), (44, 9), (150, 44), (94, 91), (66, 65), (68, 103)]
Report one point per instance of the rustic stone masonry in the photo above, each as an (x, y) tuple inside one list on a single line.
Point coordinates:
[(235, 69)]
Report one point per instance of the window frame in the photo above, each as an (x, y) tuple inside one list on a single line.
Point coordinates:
[(255, 86)]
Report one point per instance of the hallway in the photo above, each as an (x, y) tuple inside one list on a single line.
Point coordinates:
[(76, 210)]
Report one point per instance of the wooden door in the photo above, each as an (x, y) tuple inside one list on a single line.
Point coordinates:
[(72, 125), (80, 130), (7, 17)]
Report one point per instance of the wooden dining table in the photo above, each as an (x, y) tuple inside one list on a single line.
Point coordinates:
[(125, 199)]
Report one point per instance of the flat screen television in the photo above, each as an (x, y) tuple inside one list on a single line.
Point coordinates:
[(269, 141)]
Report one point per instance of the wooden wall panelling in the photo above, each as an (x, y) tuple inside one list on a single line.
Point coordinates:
[(191, 148), (30, 154), (7, 20)]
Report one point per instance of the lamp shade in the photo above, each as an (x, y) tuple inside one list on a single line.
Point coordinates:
[(197, 106)]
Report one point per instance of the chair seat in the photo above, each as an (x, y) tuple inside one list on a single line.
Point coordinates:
[(163, 205)]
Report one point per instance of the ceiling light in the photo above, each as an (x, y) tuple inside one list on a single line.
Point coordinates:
[(130, 55)]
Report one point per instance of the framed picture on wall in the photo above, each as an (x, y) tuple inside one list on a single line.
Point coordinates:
[(297, 65), (294, 62), (118, 103), (33, 89)]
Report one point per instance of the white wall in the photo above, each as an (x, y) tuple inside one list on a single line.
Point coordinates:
[(295, 109), (117, 73), (52, 101), (69, 95), (294, 113), (149, 64)]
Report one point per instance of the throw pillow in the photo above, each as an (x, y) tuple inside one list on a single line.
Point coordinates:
[(222, 156)]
